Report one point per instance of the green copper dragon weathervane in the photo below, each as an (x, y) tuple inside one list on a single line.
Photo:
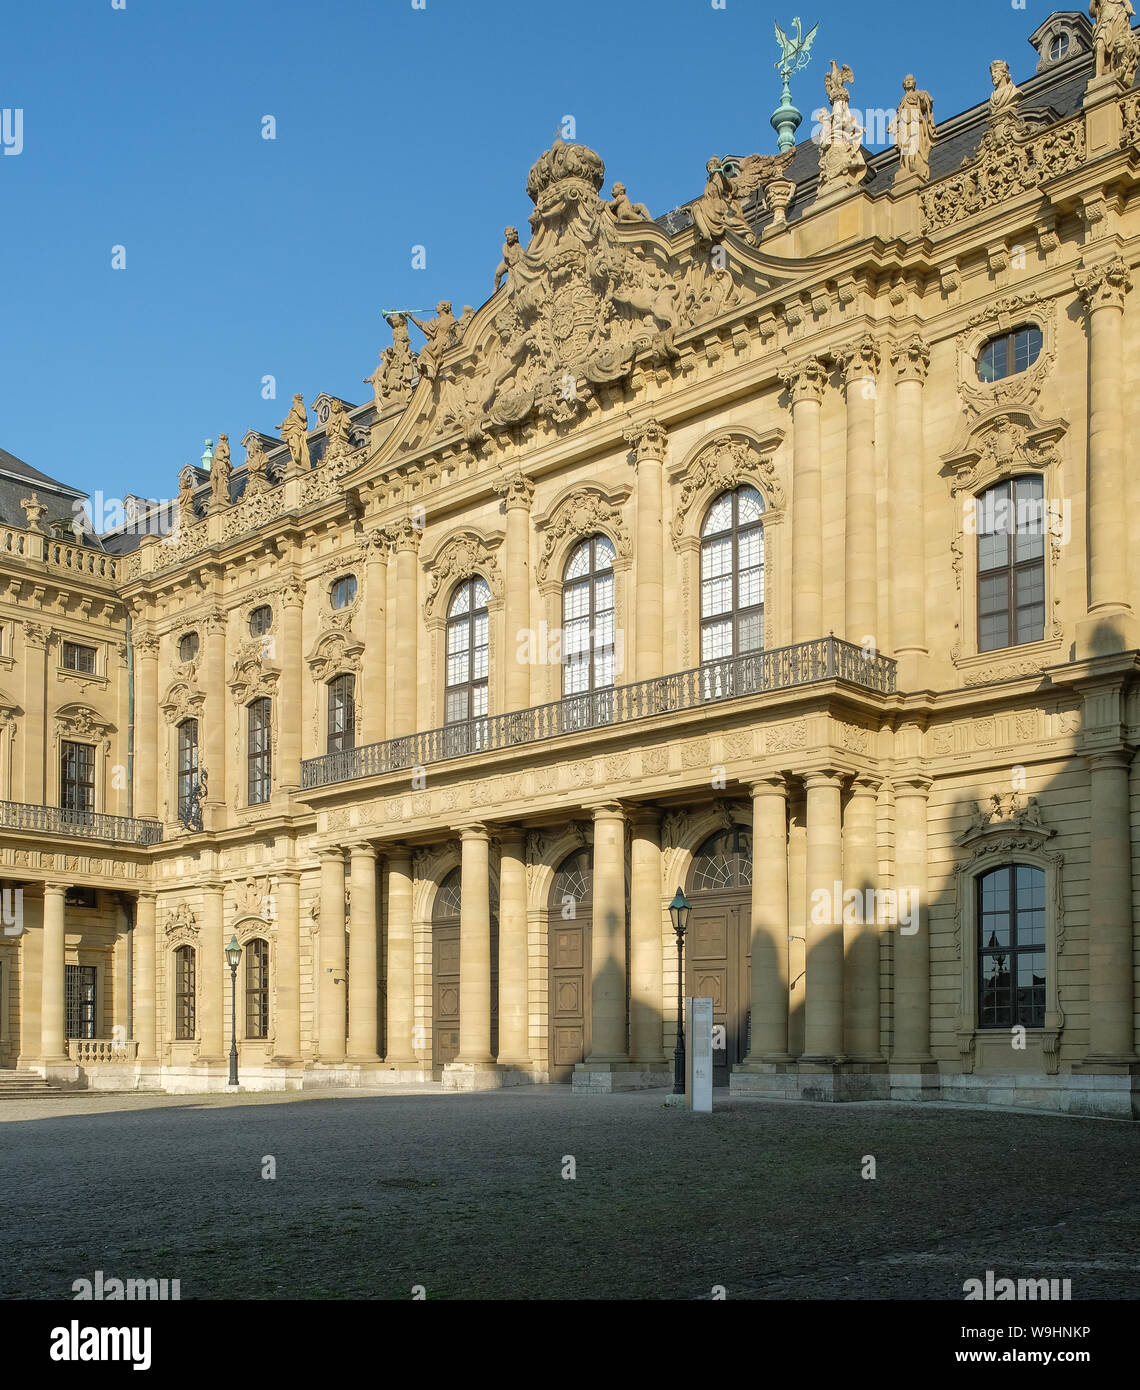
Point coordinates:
[(795, 54)]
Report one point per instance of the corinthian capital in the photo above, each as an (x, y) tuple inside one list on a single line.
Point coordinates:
[(647, 440), (859, 360), (405, 535), (1104, 286), (516, 489), (911, 358), (805, 381)]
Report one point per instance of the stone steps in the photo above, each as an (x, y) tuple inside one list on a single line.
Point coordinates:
[(26, 1085)]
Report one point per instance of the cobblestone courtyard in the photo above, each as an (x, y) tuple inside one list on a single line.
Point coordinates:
[(465, 1195)]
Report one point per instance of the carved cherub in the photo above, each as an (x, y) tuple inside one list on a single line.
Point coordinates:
[(220, 470), (439, 333), (625, 211), (512, 251), (294, 431)]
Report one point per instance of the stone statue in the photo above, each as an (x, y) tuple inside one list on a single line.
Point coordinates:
[(730, 182), (914, 129), (835, 81), (336, 431), (294, 431), (1005, 96), (511, 253), (625, 211), (186, 512), (256, 464), (841, 161), (220, 470), (440, 333), (395, 377), (1116, 47)]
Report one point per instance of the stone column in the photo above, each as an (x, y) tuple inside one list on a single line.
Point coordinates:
[(212, 972), (860, 928), (31, 732), (363, 980), (290, 701), (144, 975), (475, 948), (607, 922), (806, 382), (401, 982), (213, 741), (517, 492), (405, 540), (860, 556), (373, 696), (53, 1045), (331, 988), (823, 983), (911, 361), (1110, 911), (287, 1021), (648, 441), (1109, 625), (646, 986), (147, 760), (912, 942), (514, 1022), (769, 1002)]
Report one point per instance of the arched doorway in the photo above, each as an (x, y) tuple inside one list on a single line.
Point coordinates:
[(718, 943), (445, 1001), (568, 938)]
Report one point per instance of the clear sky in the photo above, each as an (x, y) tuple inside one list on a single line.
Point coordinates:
[(395, 127)]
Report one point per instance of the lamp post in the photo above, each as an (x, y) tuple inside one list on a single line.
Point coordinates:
[(679, 912), (233, 956)]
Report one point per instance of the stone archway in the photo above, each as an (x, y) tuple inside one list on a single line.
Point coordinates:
[(718, 942)]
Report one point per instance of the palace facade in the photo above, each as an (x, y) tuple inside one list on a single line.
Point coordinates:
[(782, 549)]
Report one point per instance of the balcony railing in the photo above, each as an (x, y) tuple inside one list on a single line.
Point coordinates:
[(82, 825), (91, 1051), (784, 668)]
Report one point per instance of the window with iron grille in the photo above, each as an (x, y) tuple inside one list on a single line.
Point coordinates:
[(187, 767), (257, 988), (259, 751), (1011, 527), (342, 714), (1011, 947), (78, 658), (77, 776), (80, 991), (185, 998)]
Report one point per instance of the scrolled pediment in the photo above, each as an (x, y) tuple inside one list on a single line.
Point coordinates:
[(726, 461), (1001, 444), (582, 512), (461, 556)]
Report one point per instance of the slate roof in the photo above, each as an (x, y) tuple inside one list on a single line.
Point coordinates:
[(19, 480)]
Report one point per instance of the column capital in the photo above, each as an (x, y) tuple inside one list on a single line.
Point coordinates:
[(55, 886), (404, 535), (332, 852), (805, 380), (824, 777), (397, 850), (375, 546), (1103, 286), (645, 817), (866, 784), (474, 830), (768, 784), (515, 488), (605, 810), (911, 358), (512, 839), (149, 894), (290, 876), (647, 440), (363, 849), (911, 784), (1109, 759), (291, 593), (859, 360)]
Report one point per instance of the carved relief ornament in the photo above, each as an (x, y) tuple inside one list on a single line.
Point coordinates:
[(585, 512), (460, 557), (1002, 316), (725, 462)]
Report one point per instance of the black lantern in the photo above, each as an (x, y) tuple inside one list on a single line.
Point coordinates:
[(233, 956), (679, 910)]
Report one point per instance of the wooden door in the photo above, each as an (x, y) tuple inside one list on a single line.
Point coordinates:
[(569, 994), (445, 994), (717, 967)]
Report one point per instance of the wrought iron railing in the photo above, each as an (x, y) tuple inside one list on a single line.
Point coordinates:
[(806, 663), (83, 825)]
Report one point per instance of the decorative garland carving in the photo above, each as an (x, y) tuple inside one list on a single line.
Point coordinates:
[(584, 513), (1004, 314), (181, 927), (464, 554), (726, 462)]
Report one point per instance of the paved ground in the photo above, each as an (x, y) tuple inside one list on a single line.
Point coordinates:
[(465, 1195)]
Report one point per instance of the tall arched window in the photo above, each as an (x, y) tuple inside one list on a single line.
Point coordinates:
[(184, 994), (1011, 947), (259, 751), (588, 617), (342, 714), (257, 988), (1011, 528), (732, 576), (467, 645), (187, 769)]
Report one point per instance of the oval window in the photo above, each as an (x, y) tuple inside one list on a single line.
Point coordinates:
[(260, 620), (342, 591), (1009, 353), (188, 647)]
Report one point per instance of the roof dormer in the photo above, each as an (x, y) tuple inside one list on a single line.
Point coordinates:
[(1065, 34)]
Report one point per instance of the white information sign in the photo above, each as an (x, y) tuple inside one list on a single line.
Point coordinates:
[(699, 1053)]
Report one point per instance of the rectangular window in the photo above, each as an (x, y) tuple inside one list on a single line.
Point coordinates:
[(184, 994), (187, 770), (1011, 947), (78, 658), (257, 989), (342, 714), (77, 776), (259, 752), (1011, 564), (80, 987)]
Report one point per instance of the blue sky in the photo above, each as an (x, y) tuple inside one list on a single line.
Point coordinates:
[(395, 127)]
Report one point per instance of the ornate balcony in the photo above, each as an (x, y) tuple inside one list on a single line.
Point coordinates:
[(78, 825), (784, 668)]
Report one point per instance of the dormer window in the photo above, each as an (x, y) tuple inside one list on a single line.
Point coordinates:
[(1059, 47)]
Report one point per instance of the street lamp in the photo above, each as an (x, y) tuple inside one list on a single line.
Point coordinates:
[(679, 912), (233, 956)]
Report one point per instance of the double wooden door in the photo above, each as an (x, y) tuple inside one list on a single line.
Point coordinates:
[(718, 967)]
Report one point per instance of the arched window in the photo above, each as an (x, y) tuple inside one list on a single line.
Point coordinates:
[(184, 994), (257, 988), (342, 591), (588, 617), (260, 620), (1011, 947), (723, 862), (1009, 353), (259, 751), (187, 770), (732, 576), (342, 714), (1058, 47), (1011, 528), (467, 646)]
